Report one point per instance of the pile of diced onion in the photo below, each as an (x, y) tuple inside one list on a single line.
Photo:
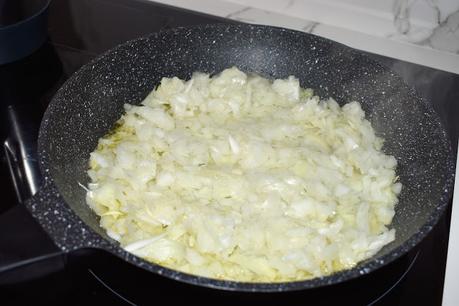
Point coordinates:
[(242, 178)]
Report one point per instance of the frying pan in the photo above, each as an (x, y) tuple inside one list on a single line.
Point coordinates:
[(90, 102)]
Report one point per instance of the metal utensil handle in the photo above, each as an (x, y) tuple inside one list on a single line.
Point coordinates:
[(26, 251), (21, 152)]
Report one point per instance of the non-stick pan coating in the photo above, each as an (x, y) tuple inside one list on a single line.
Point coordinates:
[(92, 100)]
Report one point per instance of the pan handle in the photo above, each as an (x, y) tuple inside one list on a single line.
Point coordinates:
[(26, 251)]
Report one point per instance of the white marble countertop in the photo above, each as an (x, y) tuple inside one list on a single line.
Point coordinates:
[(424, 32)]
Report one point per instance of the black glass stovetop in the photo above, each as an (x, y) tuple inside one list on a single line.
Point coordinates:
[(80, 30)]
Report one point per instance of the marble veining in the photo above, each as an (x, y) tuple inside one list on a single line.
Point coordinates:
[(258, 16), (310, 27), (446, 35), (441, 29)]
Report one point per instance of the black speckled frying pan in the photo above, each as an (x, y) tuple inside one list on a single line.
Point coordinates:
[(89, 103)]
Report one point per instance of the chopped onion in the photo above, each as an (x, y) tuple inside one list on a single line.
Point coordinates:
[(241, 178)]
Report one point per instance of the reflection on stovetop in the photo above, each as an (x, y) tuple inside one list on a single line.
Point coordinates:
[(79, 30)]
